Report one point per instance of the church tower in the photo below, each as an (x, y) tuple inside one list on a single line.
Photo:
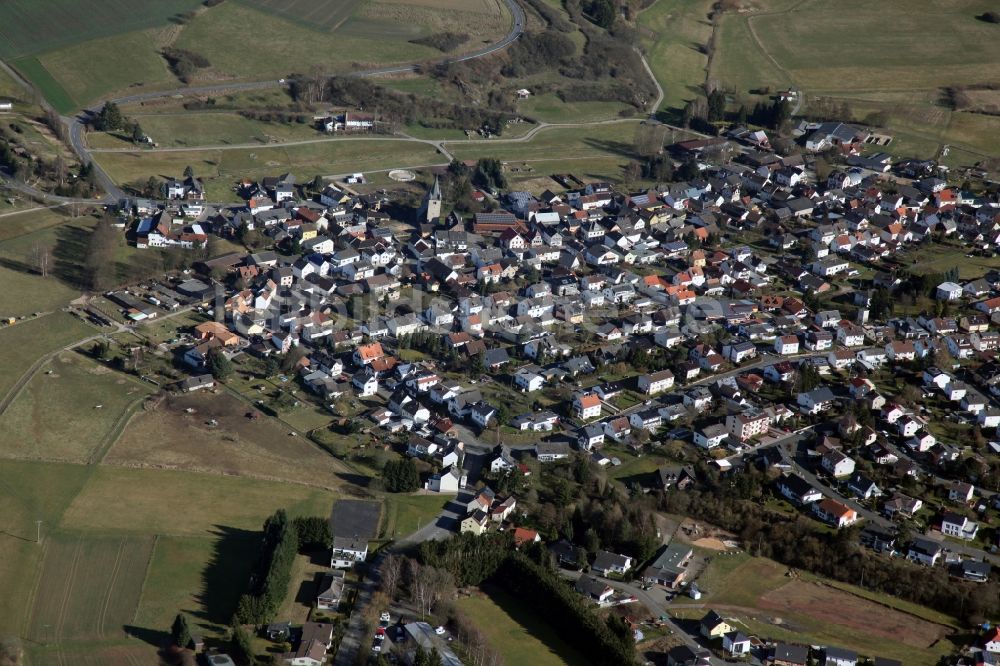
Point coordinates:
[(430, 210)]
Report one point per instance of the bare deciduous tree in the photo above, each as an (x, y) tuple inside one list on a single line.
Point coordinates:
[(42, 257)]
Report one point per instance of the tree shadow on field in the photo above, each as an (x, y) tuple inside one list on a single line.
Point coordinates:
[(615, 147), (228, 574), (158, 639), (70, 255)]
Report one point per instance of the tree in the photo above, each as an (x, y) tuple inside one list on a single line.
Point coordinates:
[(138, 136), (188, 172), (180, 634), (110, 118), (489, 174), (242, 646), (716, 105), (42, 255), (688, 170), (401, 476), (219, 364), (602, 12), (100, 350), (313, 532)]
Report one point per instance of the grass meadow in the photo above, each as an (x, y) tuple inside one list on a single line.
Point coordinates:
[(761, 598), (24, 342), (786, 43), (222, 168), (68, 410)]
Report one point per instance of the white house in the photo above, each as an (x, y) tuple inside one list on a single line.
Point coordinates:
[(711, 435), (959, 527), (348, 551), (837, 463), (948, 291), (786, 344), (587, 406), (656, 382)]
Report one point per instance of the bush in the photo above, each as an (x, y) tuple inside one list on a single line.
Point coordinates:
[(443, 41), (184, 63), (401, 476)]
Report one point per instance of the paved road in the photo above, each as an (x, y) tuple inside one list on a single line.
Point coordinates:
[(442, 527), (655, 600)]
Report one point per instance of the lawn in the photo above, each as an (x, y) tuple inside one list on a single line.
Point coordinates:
[(516, 631), (56, 416), (405, 514), (118, 500), (222, 168), (25, 342)]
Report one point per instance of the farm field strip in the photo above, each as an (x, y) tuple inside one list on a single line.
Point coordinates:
[(89, 586), (29, 27)]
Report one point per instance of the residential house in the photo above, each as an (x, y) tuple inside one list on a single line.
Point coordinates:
[(606, 562), (713, 626), (656, 382), (958, 526), (836, 513), (587, 406)]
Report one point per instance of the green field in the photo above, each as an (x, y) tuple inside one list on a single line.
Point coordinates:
[(147, 501), (568, 143), (182, 578), (220, 35), (549, 108), (29, 491), (32, 26), (103, 528), (222, 168), (25, 342), (763, 598), (515, 631), (89, 587), (672, 32), (321, 14), (789, 43), (95, 69), (404, 514), (206, 129), (68, 410)]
